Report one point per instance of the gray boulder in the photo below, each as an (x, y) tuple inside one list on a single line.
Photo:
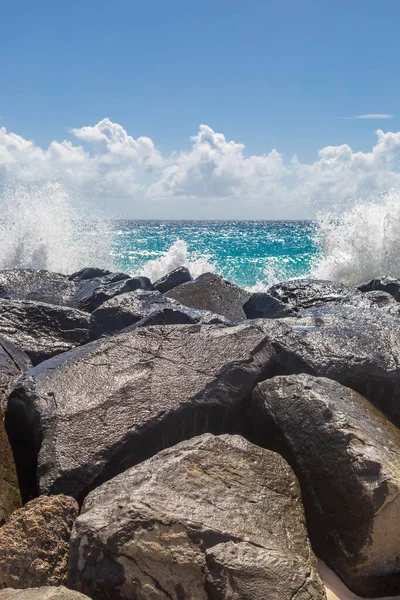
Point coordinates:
[(13, 362), (37, 285), (89, 273), (264, 306), (213, 517), (42, 330), (346, 455), (95, 411), (172, 280), (94, 292), (211, 292), (299, 294), (42, 593), (384, 284)]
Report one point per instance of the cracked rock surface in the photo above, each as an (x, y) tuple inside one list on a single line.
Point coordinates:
[(90, 413), (38, 285), (213, 518), (13, 362), (42, 593), (346, 456)]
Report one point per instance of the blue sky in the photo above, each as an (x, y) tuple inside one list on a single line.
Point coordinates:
[(266, 74)]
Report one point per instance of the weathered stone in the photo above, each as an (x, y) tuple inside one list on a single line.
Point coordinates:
[(209, 518), (172, 280), (10, 498), (346, 455), (211, 292), (384, 284), (93, 294), (265, 306), (13, 362), (34, 543), (42, 330), (151, 308), (40, 286), (42, 593), (303, 293), (95, 411), (89, 273)]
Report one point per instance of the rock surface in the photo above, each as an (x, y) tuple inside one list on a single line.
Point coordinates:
[(384, 284), (93, 292), (42, 330), (211, 292), (42, 593), (346, 456), (172, 280), (41, 286), (10, 498), (265, 306), (34, 543), (92, 412), (13, 362), (213, 517)]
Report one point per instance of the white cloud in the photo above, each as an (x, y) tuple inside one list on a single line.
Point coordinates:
[(214, 178), (372, 116)]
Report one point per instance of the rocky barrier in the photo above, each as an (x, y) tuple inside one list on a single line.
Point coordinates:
[(188, 440)]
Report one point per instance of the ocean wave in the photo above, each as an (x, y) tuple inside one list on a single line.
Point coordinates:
[(178, 255)]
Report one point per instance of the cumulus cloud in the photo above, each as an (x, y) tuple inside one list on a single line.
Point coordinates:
[(372, 116), (214, 178)]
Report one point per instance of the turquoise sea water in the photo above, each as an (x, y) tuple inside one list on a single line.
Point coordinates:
[(245, 252)]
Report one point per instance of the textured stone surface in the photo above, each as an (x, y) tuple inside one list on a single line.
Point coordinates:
[(34, 543), (42, 330), (41, 286), (93, 292), (385, 284), (304, 293), (172, 280), (164, 529), (89, 273), (10, 498), (42, 593), (13, 362), (211, 292), (92, 412), (265, 306), (346, 455)]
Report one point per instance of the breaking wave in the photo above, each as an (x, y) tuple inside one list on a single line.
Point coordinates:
[(178, 255)]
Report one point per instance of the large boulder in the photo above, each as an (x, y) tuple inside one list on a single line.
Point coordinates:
[(42, 593), (213, 517), (211, 292), (34, 543), (298, 294), (93, 293), (151, 308), (95, 411), (13, 362), (356, 347), (38, 285), (346, 455), (172, 280), (384, 284), (89, 273), (42, 330), (10, 498), (262, 305)]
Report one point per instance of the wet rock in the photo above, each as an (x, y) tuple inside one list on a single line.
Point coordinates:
[(10, 498), (265, 306), (172, 280), (40, 286), (346, 455), (150, 308), (299, 294), (89, 273), (42, 593), (384, 284), (93, 294), (34, 543), (212, 517), (95, 411), (13, 362), (42, 330), (211, 292)]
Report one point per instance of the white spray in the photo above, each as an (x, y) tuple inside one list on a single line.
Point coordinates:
[(178, 255)]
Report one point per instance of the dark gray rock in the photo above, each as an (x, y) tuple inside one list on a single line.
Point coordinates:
[(13, 362), (150, 308), (41, 286), (172, 280), (299, 294), (43, 593), (346, 455), (10, 497), (89, 273), (95, 293), (42, 330), (213, 517), (211, 292), (93, 412), (384, 284), (264, 306)]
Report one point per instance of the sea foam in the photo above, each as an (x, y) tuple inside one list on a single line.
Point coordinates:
[(178, 255)]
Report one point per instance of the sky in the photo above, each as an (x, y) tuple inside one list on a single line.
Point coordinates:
[(211, 109)]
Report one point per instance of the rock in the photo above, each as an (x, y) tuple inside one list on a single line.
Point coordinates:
[(92, 295), (304, 293), (356, 347), (10, 498), (211, 292), (13, 362), (265, 306), (42, 593), (41, 286), (150, 308), (42, 330), (89, 273), (384, 284), (95, 411), (34, 543), (346, 455), (172, 280), (213, 517)]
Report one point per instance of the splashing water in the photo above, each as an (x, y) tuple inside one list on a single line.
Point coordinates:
[(361, 244), (178, 255), (46, 227)]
